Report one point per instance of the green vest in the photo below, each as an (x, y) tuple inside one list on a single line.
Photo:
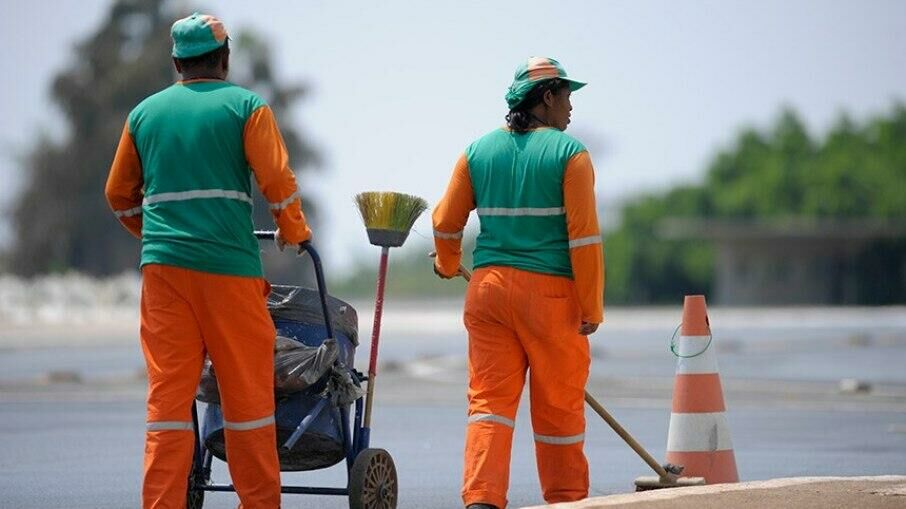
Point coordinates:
[(518, 184), (198, 203)]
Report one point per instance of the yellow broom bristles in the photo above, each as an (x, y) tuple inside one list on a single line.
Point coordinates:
[(387, 210)]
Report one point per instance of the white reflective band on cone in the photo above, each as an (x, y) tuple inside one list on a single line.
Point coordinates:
[(448, 236), (585, 241), (499, 419), (170, 426), (193, 195), (247, 425), (696, 356), (550, 439), (699, 432), (521, 211), (285, 203), (128, 212)]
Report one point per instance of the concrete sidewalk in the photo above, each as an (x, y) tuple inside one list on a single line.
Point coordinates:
[(888, 491)]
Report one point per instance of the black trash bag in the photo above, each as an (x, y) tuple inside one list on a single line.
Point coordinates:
[(296, 367), (341, 388), (303, 305)]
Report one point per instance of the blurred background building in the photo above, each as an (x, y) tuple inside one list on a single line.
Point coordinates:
[(827, 262)]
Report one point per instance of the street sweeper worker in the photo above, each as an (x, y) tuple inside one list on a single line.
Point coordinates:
[(537, 290), (180, 181)]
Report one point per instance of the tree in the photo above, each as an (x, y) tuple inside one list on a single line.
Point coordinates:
[(855, 172), (61, 220)]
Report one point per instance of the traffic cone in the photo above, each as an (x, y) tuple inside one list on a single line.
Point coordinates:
[(699, 436)]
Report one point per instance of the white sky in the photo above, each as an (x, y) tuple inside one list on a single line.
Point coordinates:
[(400, 88)]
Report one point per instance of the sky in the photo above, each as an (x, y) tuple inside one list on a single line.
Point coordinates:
[(399, 89)]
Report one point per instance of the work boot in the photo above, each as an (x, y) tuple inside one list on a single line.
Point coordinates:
[(481, 506)]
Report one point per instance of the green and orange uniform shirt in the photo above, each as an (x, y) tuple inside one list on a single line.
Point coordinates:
[(534, 195), (182, 183)]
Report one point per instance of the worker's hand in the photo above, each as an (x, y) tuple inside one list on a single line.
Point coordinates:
[(278, 240), (442, 275), (282, 243), (588, 328), (433, 255)]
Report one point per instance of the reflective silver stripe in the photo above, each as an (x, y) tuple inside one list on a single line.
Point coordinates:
[(549, 439), (524, 211), (493, 418), (200, 193), (448, 236), (247, 425), (170, 426), (585, 241), (128, 212), (699, 432), (285, 203)]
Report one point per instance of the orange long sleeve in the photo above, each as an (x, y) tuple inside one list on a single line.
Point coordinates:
[(450, 216), (124, 184), (266, 154), (586, 251)]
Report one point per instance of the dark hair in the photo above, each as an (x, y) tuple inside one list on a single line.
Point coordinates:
[(209, 60), (519, 119)]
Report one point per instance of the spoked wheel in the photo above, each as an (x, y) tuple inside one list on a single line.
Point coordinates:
[(372, 481)]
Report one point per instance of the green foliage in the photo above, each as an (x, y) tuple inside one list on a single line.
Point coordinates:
[(636, 253), (855, 172), (61, 220)]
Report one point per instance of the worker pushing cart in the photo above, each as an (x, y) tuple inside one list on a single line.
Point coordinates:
[(180, 181), (537, 290)]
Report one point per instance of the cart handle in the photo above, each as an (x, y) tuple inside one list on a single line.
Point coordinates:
[(319, 275)]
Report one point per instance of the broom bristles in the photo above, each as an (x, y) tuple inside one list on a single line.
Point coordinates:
[(387, 210)]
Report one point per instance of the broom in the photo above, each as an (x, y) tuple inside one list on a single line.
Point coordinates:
[(388, 217)]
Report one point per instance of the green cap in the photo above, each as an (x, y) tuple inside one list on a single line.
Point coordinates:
[(534, 71), (196, 35)]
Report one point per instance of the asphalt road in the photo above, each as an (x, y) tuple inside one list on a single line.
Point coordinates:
[(79, 446), (72, 405)]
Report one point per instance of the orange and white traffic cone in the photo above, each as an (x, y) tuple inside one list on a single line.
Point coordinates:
[(699, 436)]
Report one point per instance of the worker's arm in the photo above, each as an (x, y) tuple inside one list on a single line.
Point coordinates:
[(449, 218), (586, 251), (124, 184), (267, 156)]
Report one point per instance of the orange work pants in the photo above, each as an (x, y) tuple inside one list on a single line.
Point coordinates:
[(185, 314), (517, 321)]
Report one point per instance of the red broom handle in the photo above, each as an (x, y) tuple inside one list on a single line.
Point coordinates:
[(378, 311), (376, 333)]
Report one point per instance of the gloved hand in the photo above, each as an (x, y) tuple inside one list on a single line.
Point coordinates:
[(461, 271), (442, 275), (281, 243)]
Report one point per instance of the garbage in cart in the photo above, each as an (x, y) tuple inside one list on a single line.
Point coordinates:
[(297, 367), (312, 374)]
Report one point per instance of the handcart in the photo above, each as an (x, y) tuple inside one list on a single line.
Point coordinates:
[(371, 473)]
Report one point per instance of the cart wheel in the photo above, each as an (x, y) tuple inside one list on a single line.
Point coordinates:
[(194, 499), (372, 481)]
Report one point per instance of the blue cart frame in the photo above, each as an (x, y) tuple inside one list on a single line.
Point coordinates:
[(371, 473)]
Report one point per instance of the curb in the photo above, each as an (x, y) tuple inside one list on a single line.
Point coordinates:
[(675, 494)]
